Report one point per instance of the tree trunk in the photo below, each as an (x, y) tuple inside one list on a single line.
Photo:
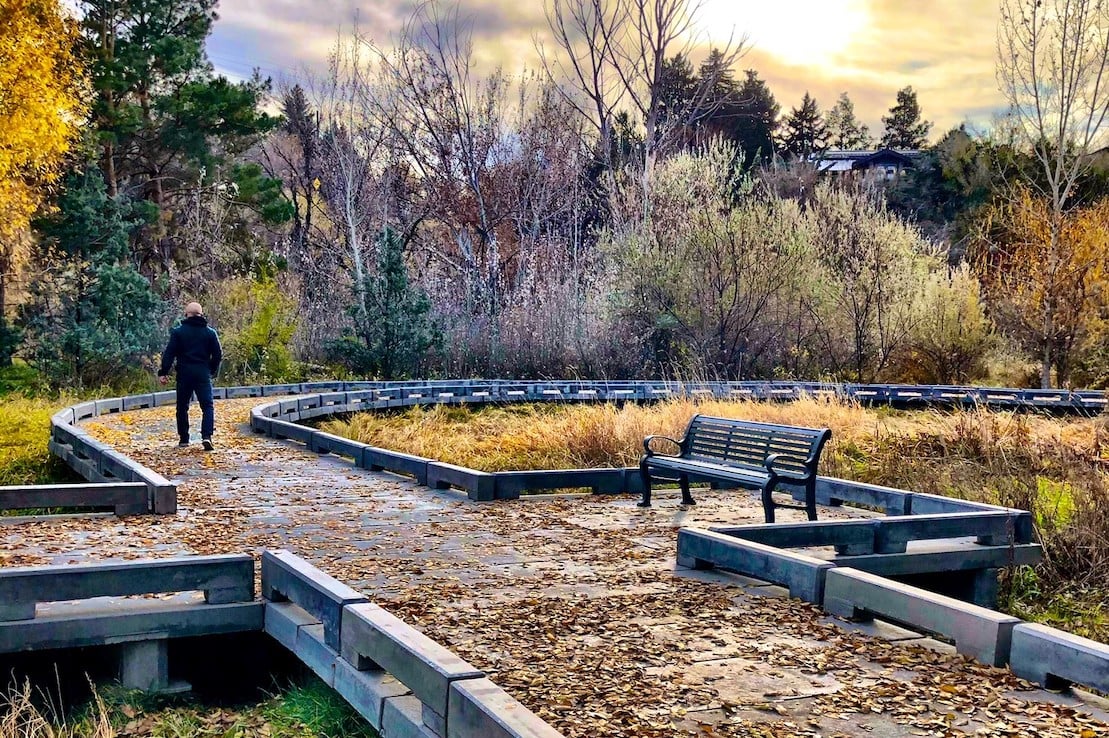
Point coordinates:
[(1045, 368), (5, 357), (1047, 356)]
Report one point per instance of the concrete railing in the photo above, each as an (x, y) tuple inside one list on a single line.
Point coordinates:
[(398, 679), (401, 681), (283, 419), (950, 553), (124, 498), (878, 548), (29, 621), (97, 462)]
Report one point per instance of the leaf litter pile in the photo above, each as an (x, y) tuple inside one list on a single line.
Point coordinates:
[(570, 604)]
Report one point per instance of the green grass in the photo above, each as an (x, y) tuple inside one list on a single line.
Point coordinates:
[(317, 709), (24, 434), (307, 710)]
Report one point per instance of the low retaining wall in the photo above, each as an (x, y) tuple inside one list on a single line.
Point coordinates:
[(978, 632), (396, 677), (96, 462), (855, 584), (879, 547), (1057, 659), (1050, 657), (143, 626), (124, 498), (802, 575)]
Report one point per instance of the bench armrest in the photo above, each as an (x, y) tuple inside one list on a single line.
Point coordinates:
[(783, 473), (648, 439)]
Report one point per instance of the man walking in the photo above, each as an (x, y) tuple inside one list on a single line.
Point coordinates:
[(196, 349)]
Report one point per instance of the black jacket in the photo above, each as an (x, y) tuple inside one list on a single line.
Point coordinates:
[(192, 344)]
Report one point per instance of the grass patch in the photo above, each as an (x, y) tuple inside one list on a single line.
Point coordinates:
[(24, 434), (318, 710), (308, 710)]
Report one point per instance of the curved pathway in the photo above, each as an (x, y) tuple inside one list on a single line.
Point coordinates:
[(571, 604)]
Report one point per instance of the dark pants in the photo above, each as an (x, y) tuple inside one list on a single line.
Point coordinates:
[(194, 380)]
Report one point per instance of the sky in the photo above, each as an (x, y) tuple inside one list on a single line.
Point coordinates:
[(870, 49)]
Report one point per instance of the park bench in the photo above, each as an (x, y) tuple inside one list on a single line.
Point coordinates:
[(741, 452)]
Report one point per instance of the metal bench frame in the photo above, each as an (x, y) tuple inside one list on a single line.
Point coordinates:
[(741, 452)]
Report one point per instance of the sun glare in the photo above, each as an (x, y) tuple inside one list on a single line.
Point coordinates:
[(798, 32)]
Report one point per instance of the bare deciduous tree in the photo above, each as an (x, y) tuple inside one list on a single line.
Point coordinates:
[(1053, 67), (612, 53)]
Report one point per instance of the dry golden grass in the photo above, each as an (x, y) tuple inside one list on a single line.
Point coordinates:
[(21, 717), (564, 436)]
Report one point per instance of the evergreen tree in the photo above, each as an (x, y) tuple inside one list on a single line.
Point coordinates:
[(678, 91), (393, 333), (163, 120), (755, 119), (845, 131), (946, 190), (91, 318), (904, 128), (806, 132), (302, 171), (717, 76)]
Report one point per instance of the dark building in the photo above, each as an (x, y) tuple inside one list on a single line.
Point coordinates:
[(890, 162)]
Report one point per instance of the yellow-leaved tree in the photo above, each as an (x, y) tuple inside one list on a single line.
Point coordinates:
[(41, 111), (1032, 267)]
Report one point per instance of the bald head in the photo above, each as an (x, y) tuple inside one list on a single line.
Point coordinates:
[(193, 308)]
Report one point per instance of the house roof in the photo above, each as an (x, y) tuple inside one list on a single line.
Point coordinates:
[(841, 160)]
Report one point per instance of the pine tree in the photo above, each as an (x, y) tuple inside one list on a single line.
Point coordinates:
[(754, 119), (715, 73), (90, 319), (394, 332), (163, 120), (904, 128), (806, 133), (845, 131), (678, 91)]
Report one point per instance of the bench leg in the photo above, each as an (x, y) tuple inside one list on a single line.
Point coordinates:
[(646, 475), (683, 482), (768, 504), (810, 499)]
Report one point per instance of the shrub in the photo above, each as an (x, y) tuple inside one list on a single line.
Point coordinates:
[(392, 333), (256, 319), (950, 336)]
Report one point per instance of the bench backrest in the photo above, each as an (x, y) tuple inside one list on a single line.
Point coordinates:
[(748, 443)]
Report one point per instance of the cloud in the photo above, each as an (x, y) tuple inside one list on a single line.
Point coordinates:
[(902, 44), (944, 49)]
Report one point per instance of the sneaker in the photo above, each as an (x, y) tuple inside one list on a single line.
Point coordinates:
[(183, 443), (207, 443)]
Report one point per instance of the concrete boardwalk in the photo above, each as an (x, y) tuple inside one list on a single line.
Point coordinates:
[(570, 604)]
